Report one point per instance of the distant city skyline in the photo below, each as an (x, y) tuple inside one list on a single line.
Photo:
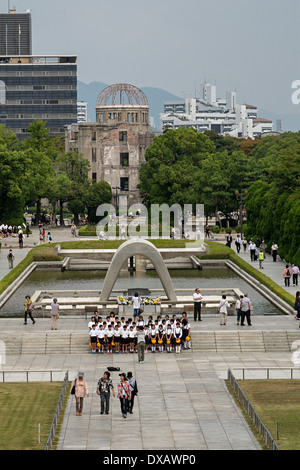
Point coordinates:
[(174, 45)]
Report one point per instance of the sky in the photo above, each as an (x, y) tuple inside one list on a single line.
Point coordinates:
[(251, 47)]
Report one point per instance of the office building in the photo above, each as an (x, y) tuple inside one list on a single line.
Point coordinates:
[(209, 113), (15, 33), (38, 88)]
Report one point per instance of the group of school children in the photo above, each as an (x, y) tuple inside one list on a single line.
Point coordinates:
[(120, 335)]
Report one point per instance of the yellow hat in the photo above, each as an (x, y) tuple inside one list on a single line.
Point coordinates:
[(160, 341), (178, 340), (98, 344), (187, 338), (153, 341), (112, 343), (168, 341)]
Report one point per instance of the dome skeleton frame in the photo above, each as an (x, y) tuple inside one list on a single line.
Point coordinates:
[(124, 91)]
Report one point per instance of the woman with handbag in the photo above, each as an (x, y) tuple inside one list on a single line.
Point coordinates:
[(80, 390), (124, 394)]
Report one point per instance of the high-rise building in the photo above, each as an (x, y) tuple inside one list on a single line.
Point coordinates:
[(33, 87), (38, 88), (15, 33)]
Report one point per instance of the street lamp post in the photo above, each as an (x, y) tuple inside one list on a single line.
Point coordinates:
[(241, 195)]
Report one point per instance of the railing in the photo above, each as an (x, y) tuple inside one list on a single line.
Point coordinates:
[(268, 370), (57, 412), (27, 372), (250, 410)]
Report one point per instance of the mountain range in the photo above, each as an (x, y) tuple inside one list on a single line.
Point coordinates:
[(157, 97)]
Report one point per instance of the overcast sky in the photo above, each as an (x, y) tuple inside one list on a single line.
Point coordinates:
[(248, 46)]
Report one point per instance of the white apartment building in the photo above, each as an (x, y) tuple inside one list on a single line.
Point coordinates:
[(224, 116), (81, 111)]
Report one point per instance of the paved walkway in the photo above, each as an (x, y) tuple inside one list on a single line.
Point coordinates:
[(182, 403)]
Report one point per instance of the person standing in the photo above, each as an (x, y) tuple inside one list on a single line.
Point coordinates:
[(287, 276), (197, 298), (28, 310), (10, 258), (136, 305), (223, 310), (238, 309), (141, 343), (105, 385), (124, 394), (274, 251), (81, 390), (20, 236), (54, 314), (295, 274), (245, 310), (133, 390)]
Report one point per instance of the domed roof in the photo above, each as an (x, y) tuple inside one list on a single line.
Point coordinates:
[(122, 94)]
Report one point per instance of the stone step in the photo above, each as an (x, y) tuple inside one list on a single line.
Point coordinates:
[(56, 342)]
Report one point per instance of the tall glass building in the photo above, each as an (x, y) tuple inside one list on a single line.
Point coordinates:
[(38, 88)]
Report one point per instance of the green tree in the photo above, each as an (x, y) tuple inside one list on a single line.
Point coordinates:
[(97, 194)]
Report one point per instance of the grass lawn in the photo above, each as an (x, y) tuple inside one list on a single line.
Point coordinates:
[(277, 400), (23, 407)]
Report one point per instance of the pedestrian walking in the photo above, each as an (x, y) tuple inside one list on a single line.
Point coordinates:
[(295, 274), (54, 314), (133, 389), (197, 298), (105, 386), (238, 242), (287, 276), (28, 310), (141, 343), (261, 257), (79, 388), (223, 310), (73, 230), (124, 394), (10, 258), (274, 251), (245, 310), (252, 249)]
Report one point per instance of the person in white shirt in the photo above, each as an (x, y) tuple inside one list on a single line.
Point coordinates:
[(178, 335), (109, 336), (223, 310), (117, 338), (238, 242), (124, 340), (93, 339), (101, 339), (136, 304), (252, 249), (197, 298)]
